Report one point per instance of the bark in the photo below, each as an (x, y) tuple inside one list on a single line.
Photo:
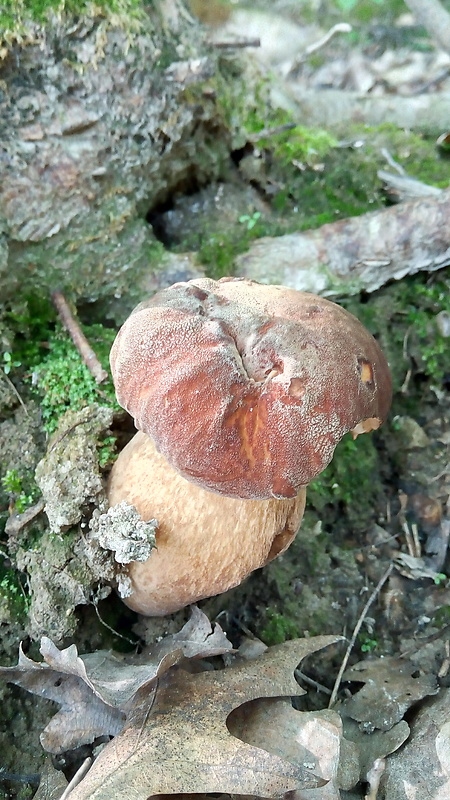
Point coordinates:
[(361, 253), (97, 125)]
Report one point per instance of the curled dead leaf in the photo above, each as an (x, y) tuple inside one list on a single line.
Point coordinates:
[(176, 738), (94, 689)]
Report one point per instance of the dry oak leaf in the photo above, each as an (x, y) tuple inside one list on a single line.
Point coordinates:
[(313, 738), (176, 738), (391, 687), (94, 689), (421, 770)]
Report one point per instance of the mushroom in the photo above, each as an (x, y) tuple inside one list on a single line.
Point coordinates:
[(240, 392)]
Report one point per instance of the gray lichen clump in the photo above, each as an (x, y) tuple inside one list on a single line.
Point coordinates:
[(98, 124), (122, 530)]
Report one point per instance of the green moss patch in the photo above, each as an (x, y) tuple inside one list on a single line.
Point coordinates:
[(16, 15), (64, 382)]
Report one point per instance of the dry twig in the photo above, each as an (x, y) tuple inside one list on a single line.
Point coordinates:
[(14, 390), (79, 339), (374, 776), (237, 44), (340, 27), (357, 629), (77, 778)]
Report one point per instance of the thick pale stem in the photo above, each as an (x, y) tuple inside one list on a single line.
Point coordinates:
[(205, 542)]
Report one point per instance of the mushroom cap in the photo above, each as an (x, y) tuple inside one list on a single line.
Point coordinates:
[(205, 543), (246, 388)]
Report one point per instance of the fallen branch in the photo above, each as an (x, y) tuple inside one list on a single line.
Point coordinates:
[(336, 109), (360, 253), (435, 19)]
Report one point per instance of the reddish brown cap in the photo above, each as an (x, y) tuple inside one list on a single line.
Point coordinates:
[(246, 389)]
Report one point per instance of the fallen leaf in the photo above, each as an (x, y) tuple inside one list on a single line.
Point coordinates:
[(94, 690), (176, 739), (52, 783), (307, 738), (414, 568), (375, 744), (391, 687), (421, 770)]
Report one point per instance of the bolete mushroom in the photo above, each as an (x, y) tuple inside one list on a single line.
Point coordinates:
[(240, 392)]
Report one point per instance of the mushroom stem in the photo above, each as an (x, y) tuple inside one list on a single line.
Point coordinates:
[(206, 543)]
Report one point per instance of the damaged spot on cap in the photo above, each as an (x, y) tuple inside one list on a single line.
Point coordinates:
[(366, 372), (365, 426)]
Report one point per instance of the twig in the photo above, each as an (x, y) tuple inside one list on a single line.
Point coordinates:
[(266, 132), (319, 686), (402, 188), (358, 626), (392, 162), (13, 389), (412, 539), (69, 430), (109, 628), (81, 343), (340, 27), (374, 776), (77, 778), (239, 43)]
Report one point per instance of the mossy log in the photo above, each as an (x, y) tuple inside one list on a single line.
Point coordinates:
[(356, 254), (101, 121)]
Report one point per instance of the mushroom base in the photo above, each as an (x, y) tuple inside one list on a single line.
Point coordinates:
[(206, 543)]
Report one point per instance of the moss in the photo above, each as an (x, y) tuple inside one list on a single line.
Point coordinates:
[(403, 316), (16, 16), (308, 595), (310, 179), (416, 153), (14, 602), (352, 480), (62, 380), (306, 145), (423, 300), (278, 628), (218, 250)]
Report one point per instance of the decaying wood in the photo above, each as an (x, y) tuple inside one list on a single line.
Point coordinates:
[(335, 108), (360, 253), (435, 18), (122, 122), (400, 188)]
